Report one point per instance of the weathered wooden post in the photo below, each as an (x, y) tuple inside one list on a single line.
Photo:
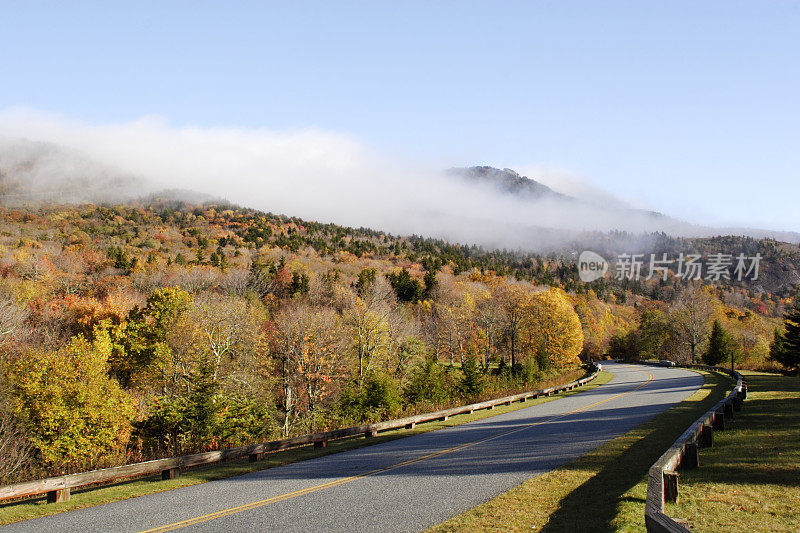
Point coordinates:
[(737, 403), (171, 473), (707, 436), (671, 486), (320, 444), (370, 433), (255, 457), (58, 496), (691, 456), (728, 409), (719, 420), (411, 425)]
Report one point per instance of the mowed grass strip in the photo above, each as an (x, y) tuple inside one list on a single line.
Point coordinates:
[(750, 478), (603, 490), (34, 508)]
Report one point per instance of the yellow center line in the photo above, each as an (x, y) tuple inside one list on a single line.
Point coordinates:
[(342, 481)]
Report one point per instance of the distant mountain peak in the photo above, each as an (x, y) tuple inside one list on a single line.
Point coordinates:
[(506, 180)]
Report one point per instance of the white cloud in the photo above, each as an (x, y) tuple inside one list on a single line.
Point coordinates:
[(331, 177)]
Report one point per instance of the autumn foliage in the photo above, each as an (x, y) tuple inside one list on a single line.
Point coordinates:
[(137, 331)]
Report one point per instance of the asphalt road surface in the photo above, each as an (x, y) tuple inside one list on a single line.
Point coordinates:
[(407, 484)]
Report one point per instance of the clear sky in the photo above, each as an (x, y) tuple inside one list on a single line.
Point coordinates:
[(689, 108)]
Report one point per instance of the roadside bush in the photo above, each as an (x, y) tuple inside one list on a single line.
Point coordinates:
[(202, 419), (14, 446), (473, 382), (428, 383), (75, 413), (378, 399)]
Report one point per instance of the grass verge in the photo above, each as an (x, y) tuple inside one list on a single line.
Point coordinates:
[(603, 490), (27, 509), (752, 473)]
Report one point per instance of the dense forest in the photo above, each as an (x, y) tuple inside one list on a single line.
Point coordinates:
[(157, 328)]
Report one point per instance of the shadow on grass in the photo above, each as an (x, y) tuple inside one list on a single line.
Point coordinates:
[(761, 448), (594, 505)]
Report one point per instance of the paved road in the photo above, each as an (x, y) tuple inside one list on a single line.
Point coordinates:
[(402, 485)]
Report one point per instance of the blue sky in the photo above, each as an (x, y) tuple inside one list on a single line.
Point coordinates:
[(689, 108)]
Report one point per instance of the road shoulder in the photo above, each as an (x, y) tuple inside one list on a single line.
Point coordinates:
[(602, 490), (30, 509)]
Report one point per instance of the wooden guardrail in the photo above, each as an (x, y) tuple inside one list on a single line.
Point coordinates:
[(58, 488), (662, 483)]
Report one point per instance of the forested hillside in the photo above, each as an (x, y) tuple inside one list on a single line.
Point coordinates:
[(158, 328)]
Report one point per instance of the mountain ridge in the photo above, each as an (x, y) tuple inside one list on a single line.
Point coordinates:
[(34, 172)]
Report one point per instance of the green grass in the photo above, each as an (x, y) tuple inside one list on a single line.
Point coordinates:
[(603, 490), (26, 509), (751, 476)]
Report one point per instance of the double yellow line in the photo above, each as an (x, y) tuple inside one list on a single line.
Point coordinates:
[(342, 481)]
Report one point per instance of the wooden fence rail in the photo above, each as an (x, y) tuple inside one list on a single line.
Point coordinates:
[(58, 488), (662, 483)]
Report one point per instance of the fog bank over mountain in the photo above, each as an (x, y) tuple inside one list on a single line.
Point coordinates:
[(312, 174)]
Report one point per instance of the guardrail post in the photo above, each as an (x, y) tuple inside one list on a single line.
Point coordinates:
[(691, 456), (737, 404), (719, 421), (707, 436), (728, 409), (412, 425), (58, 496), (662, 486), (671, 486), (253, 453), (170, 473)]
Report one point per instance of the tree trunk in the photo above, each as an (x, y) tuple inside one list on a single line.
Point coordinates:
[(513, 350)]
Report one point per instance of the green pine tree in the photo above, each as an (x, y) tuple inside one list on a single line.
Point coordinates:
[(473, 382), (407, 288), (719, 346), (785, 347)]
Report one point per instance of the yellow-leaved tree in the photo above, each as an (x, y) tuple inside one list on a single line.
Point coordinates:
[(552, 329), (75, 412)]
